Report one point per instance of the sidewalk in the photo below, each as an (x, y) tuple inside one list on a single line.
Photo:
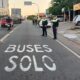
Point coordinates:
[(67, 29), (68, 37)]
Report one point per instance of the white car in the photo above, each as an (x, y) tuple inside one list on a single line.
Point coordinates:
[(60, 18), (48, 25), (76, 20)]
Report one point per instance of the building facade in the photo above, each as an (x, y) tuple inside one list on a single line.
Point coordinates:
[(76, 8), (4, 11), (4, 3), (4, 7)]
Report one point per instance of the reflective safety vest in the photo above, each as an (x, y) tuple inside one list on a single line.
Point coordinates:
[(55, 23)]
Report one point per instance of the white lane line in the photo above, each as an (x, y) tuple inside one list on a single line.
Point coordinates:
[(7, 35), (11, 32), (67, 48), (2, 39)]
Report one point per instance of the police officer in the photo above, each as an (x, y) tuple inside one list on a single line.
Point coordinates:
[(8, 20), (55, 24), (44, 26)]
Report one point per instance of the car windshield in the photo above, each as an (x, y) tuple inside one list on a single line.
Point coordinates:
[(75, 17)]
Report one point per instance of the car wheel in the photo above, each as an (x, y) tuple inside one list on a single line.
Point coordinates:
[(78, 23), (2, 26)]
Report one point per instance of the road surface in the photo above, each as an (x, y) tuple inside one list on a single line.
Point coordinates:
[(26, 55)]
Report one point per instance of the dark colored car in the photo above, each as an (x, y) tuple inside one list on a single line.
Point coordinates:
[(17, 20)]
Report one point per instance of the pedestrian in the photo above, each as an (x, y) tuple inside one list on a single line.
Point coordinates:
[(44, 27), (9, 20), (33, 21), (55, 24)]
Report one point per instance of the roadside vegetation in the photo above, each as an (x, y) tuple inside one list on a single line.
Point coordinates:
[(57, 5)]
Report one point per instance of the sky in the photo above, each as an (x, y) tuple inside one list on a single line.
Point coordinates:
[(33, 9)]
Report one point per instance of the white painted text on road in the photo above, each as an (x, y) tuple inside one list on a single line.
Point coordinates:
[(31, 59)]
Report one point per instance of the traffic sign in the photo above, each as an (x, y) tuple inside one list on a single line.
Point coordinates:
[(27, 3)]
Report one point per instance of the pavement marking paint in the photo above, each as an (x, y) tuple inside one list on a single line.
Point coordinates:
[(32, 61), (53, 68), (69, 49), (38, 49), (66, 47), (7, 35), (29, 66), (36, 66), (70, 36), (1, 40), (13, 63), (28, 48)]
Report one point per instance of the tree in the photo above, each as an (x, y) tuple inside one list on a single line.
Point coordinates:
[(31, 17), (57, 5)]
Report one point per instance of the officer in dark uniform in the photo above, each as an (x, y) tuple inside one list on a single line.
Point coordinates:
[(44, 27), (8, 20), (55, 24)]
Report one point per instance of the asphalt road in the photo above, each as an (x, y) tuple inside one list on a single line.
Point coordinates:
[(26, 55), (4, 31)]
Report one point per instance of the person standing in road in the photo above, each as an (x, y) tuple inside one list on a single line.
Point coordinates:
[(8, 20), (55, 24), (33, 21), (44, 26)]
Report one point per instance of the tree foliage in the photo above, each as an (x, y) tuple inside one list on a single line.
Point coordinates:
[(57, 5), (31, 17)]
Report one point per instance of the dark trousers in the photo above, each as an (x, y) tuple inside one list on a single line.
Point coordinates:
[(44, 30), (55, 32)]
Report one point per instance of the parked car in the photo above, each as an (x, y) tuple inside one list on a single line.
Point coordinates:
[(60, 18), (48, 25), (76, 20), (17, 20), (4, 22)]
